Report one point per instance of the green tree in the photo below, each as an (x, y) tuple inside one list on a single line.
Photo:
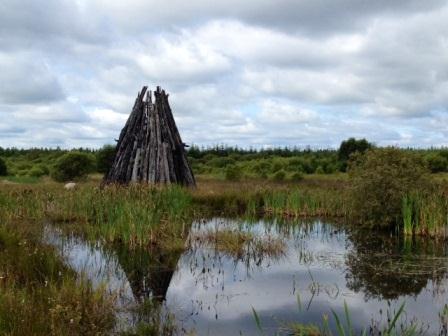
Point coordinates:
[(380, 179), (350, 146), (73, 165), (3, 168), (104, 158)]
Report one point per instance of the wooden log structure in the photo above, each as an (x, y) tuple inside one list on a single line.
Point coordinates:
[(150, 148)]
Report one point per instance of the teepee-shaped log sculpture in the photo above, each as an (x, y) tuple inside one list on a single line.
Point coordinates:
[(150, 148)]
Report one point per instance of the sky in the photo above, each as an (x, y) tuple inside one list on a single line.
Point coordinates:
[(252, 73)]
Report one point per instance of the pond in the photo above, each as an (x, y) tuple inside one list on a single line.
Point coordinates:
[(321, 267)]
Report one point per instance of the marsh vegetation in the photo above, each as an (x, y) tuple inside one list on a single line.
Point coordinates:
[(282, 226)]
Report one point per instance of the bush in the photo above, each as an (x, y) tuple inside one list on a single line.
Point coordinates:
[(36, 172), (233, 173), (3, 168), (381, 178), (105, 158), (279, 176), (437, 163), (73, 165), (296, 177), (320, 170)]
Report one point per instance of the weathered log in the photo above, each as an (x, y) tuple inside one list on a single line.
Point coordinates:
[(149, 147)]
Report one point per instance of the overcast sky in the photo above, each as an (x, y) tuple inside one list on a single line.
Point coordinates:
[(248, 73)]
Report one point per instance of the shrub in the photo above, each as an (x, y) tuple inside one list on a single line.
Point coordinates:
[(279, 176), (104, 158), (233, 173), (320, 170), (3, 168), (296, 177), (437, 163), (73, 165), (36, 172), (381, 178)]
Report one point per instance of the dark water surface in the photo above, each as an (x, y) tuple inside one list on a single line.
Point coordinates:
[(323, 266)]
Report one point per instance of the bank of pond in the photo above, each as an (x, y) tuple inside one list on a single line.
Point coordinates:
[(221, 260)]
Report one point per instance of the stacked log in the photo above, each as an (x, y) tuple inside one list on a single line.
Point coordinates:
[(150, 148)]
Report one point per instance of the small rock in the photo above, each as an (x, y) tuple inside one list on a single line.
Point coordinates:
[(70, 186)]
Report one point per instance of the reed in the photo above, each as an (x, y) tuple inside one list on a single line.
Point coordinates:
[(137, 215), (426, 214)]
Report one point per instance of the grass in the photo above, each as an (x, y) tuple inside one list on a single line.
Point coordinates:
[(426, 214), (136, 216), (241, 244), (39, 295)]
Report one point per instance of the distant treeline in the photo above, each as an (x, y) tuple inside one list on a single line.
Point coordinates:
[(224, 161)]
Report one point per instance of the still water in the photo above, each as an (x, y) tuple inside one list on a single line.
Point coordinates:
[(322, 266)]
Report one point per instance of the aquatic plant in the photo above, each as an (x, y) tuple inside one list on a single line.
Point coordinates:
[(343, 326), (240, 244)]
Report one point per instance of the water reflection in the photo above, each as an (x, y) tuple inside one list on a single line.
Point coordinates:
[(214, 292), (323, 265), (387, 267)]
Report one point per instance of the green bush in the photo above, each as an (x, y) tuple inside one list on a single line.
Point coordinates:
[(3, 168), (320, 170), (36, 172), (437, 163), (73, 165), (279, 176), (296, 177), (233, 173), (380, 179), (104, 158)]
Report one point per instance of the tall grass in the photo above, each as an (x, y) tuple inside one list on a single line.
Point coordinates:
[(306, 203), (135, 215), (39, 295), (426, 214)]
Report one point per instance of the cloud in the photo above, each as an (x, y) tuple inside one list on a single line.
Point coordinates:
[(252, 73), (27, 80)]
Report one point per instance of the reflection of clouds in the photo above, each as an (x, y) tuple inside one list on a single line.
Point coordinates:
[(219, 293)]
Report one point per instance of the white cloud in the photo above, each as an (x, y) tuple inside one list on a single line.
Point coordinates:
[(373, 69)]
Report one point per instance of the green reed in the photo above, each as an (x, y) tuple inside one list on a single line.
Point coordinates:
[(135, 215), (426, 214), (306, 203)]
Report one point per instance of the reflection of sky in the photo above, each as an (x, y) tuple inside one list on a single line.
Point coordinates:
[(214, 294), (99, 267)]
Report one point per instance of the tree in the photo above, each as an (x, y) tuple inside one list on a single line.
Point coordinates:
[(104, 158), (73, 165), (350, 146), (3, 168), (380, 179)]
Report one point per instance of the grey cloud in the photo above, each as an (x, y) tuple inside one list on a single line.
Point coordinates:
[(70, 70), (26, 79), (311, 17)]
